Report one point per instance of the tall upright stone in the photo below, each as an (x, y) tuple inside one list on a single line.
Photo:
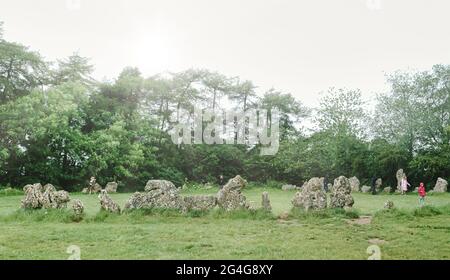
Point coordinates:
[(107, 204), (441, 185), (230, 197), (312, 196), (265, 203), (354, 184), (340, 195)]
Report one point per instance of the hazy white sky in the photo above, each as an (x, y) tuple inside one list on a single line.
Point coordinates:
[(301, 47)]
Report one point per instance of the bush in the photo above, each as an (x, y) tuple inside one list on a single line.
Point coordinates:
[(10, 192)]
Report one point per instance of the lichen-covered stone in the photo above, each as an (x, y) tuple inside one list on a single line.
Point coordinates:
[(340, 195), (365, 189), (388, 205), (265, 202), (33, 197), (78, 208), (441, 186), (158, 194), (200, 202), (387, 190), (378, 184), (289, 187), (37, 197), (354, 184), (312, 196), (111, 187), (230, 196), (107, 204)]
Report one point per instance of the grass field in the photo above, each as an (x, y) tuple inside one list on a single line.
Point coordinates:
[(404, 233)]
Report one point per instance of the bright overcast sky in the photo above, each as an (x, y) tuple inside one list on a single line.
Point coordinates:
[(301, 47)]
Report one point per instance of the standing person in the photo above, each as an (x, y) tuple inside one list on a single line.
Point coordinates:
[(373, 186), (405, 184), (325, 184), (422, 194)]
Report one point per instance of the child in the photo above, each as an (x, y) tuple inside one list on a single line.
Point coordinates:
[(422, 194), (405, 184)]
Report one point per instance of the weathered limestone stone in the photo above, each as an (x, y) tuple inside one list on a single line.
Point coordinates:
[(354, 184), (37, 197), (200, 202), (441, 186), (288, 187), (60, 199), (107, 204), (340, 195), (78, 207), (399, 175), (158, 194), (388, 205), (33, 197), (85, 191), (312, 196), (366, 189), (230, 197), (378, 184), (97, 188), (387, 190), (111, 187), (265, 203)]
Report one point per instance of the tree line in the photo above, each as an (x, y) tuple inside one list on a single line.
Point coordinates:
[(59, 125)]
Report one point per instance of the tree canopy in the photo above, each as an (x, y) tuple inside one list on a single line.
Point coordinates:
[(58, 125)]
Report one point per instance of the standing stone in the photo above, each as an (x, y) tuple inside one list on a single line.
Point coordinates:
[(60, 199), (78, 208), (388, 205), (365, 189), (378, 184), (97, 188), (111, 187), (288, 187), (399, 175), (37, 197), (387, 190), (230, 196), (158, 194), (107, 204), (340, 196), (354, 184), (85, 191), (92, 183), (33, 197), (441, 186), (266, 202), (199, 202), (312, 196)]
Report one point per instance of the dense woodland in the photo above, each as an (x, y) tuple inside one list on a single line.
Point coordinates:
[(58, 125)]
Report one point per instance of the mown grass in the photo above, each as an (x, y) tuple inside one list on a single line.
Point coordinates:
[(406, 232)]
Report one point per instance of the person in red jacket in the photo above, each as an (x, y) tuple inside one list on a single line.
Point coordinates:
[(422, 194)]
